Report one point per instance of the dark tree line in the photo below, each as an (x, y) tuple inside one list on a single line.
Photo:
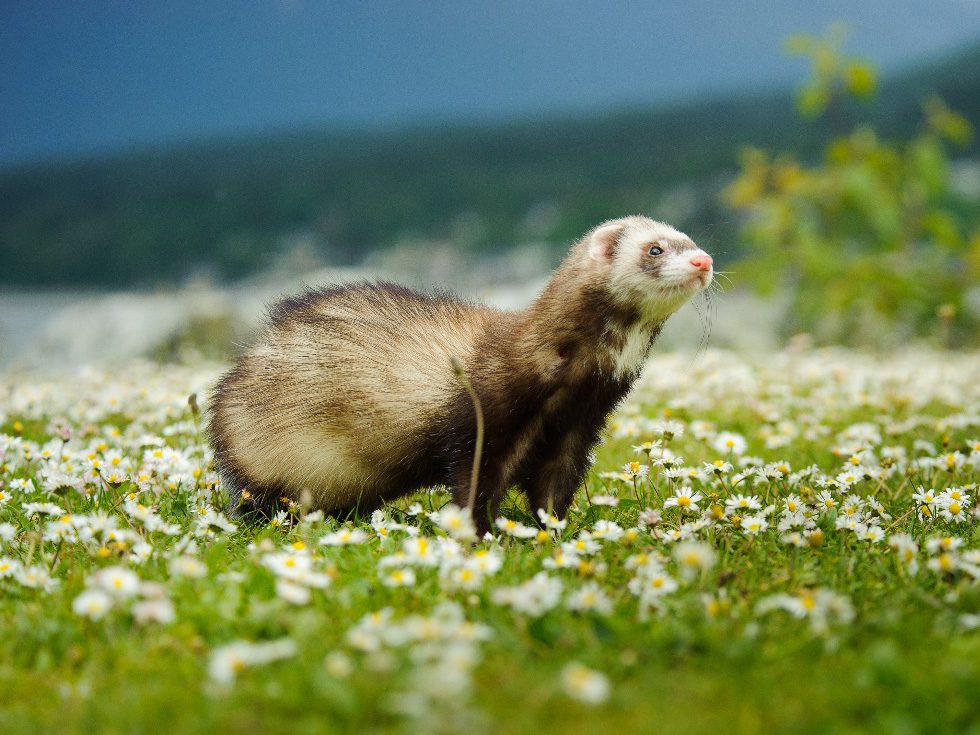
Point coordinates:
[(230, 207)]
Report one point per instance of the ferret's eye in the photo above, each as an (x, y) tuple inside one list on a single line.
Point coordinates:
[(656, 250)]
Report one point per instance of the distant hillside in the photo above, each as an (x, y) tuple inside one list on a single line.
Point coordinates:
[(228, 207)]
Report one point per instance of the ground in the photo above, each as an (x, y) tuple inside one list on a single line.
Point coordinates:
[(785, 542)]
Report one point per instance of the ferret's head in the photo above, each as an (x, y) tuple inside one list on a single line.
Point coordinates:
[(648, 264)]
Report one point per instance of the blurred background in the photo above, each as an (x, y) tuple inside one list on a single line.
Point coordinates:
[(167, 169)]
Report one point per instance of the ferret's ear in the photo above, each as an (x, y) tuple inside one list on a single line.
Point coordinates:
[(602, 244)]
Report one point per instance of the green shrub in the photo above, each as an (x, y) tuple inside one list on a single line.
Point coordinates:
[(870, 241)]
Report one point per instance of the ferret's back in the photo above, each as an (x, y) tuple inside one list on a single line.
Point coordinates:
[(374, 331)]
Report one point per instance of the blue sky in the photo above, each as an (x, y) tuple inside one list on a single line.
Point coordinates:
[(95, 75)]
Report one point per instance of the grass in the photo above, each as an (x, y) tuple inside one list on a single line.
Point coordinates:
[(740, 626)]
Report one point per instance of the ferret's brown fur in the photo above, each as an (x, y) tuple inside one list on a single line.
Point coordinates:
[(349, 392)]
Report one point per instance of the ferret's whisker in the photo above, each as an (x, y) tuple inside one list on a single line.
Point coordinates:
[(725, 275), (706, 301), (717, 285)]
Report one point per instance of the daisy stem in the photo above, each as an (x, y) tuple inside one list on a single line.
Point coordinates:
[(901, 518), (57, 553), (478, 450)]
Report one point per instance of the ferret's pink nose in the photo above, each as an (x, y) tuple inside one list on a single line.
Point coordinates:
[(702, 262)]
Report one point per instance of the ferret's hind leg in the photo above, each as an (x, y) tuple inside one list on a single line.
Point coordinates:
[(252, 504)]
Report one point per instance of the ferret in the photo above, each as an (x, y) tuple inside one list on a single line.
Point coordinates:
[(350, 396)]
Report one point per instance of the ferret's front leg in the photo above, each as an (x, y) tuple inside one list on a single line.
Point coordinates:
[(551, 479)]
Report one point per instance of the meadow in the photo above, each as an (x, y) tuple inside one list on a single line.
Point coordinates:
[(781, 542)]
